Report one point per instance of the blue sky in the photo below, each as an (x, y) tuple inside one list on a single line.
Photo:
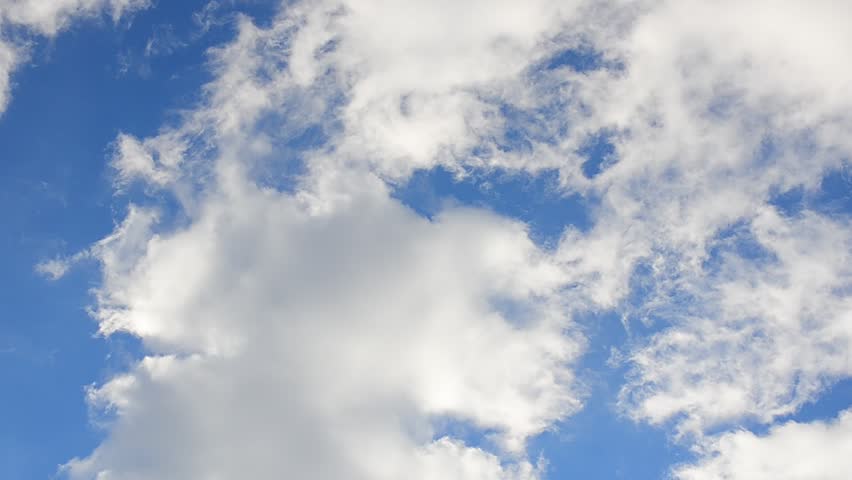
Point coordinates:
[(542, 259)]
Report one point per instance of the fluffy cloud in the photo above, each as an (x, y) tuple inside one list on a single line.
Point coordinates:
[(709, 119), (327, 330), (771, 336), (317, 344), (791, 451), (713, 118)]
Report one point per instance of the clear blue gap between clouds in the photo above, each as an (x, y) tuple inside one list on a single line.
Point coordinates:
[(537, 200), (598, 442), (600, 154), (833, 198)]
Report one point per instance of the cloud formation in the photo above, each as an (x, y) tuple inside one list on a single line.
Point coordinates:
[(339, 335), (316, 327)]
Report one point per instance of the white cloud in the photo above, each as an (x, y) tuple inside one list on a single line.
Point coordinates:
[(714, 114), (771, 338), (792, 451), (154, 160), (53, 269), (8, 60), (330, 341)]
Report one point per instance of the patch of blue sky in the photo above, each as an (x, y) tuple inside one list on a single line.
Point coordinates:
[(535, 200), (599, 442), (738, 241), (284, 165), (47, 356), (68, 104), (833, 197), (836, 398), (583, 59), (789, 202), (599, 152)]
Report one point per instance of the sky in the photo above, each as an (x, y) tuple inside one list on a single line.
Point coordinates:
[(425, 239)]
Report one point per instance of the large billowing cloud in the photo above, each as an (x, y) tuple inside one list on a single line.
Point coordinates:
[(323, 331), (331, 344), (314, 327)]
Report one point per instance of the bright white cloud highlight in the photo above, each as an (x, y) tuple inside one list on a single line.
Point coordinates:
[(792, 451)]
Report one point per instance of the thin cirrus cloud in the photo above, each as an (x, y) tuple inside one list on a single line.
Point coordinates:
[(320, 329)]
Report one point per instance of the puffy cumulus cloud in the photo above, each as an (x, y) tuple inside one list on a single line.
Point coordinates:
[(325, 330), (46, 18), (791, 451), (318, 345)]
